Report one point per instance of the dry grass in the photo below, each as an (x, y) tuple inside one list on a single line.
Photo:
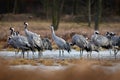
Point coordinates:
[(22, 62), (63, 62), (47, 62), (81, 70), (76, 48)]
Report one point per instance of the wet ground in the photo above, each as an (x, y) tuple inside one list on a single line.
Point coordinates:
[(105, 54)]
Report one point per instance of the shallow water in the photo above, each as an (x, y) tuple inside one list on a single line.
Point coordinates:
[(55, 54)]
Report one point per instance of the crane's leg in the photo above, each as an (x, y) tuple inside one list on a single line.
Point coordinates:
[(39, 54), (27, 54), (63, 53), (16, 52), (110, 52), (90, 54), (115, 53), (98, 55), (32, 48), (23, 53), (114, 50), (81, 53), (59, 53), (33, 54), (33, 51)]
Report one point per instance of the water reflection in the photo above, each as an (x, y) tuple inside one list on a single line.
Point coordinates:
[(55, 54)]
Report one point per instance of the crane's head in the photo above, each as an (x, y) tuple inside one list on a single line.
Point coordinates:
[(11, 28), (52, 28), (107, 33), (96, 32), (26, 24), (112, 34), (8, 41), (17, 33)]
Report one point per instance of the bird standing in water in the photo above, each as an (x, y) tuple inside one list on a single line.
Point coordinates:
[(61, 43)]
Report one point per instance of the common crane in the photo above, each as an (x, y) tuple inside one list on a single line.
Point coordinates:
[(61, 43), (80, 41), (12, 31), (101, 41), (115, 42), (114, 38), (33, 39), (91, 47), (19, 42)]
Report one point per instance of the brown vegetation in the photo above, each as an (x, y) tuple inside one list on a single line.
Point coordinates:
[(83, 70), (63, 62)]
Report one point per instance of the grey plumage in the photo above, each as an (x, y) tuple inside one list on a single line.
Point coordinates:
[(13, 32), (107, 34), (19, 42), (119, 42), (34, 39), (46, 44), (92, 47), (61, 43), (115, 42), (115, 39), (80, 41), (100, 40)]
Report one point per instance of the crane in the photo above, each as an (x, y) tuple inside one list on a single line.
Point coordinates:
[(60, 42), (80, 41), (91, 47), (12, 31), (115, 42), (34, 39), (19, 42), (101, 41)]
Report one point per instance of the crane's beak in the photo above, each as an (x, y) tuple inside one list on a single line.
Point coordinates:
[(50, 26)]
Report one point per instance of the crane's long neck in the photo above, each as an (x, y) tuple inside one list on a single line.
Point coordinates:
[(26, 30), (95, 35), (53, 33), (11, 32)]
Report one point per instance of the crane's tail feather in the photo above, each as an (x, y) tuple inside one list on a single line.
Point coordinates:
[(68, 47)]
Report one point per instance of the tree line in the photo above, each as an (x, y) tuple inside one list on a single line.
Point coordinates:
[(54, 9)]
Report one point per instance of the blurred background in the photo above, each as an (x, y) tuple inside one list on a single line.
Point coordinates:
[(74, 15), (69, 10)]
